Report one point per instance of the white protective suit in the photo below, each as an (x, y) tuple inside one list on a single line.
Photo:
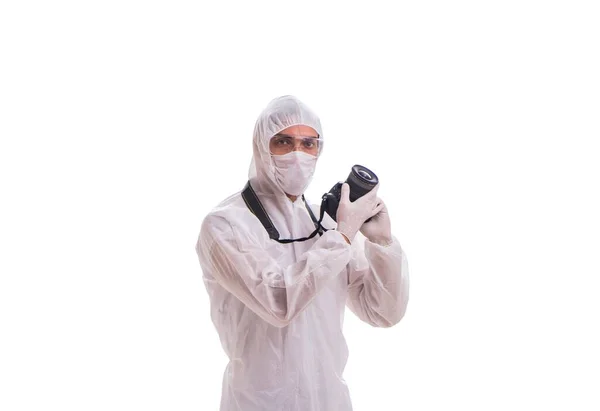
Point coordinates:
[(279, 308)]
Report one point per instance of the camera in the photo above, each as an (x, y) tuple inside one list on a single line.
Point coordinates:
[(361, 180)]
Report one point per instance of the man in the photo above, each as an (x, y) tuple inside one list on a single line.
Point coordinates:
[(278, 307)]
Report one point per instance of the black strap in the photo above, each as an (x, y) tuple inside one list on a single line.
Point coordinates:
[(255, 206), (317, 224), (257, 209)]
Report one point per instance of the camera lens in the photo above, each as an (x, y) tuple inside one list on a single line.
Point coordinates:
[(364, 174), (361, 180)]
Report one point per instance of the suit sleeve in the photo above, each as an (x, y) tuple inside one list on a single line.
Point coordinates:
[(378, 284), (275, 292)]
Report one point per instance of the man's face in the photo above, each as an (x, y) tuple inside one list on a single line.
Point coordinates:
[(295, 138)]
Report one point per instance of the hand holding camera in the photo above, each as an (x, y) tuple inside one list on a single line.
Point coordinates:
[(361, 180), (355, 206), (352, 214)]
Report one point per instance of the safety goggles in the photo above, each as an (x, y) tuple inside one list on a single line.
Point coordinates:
[(282, 144)]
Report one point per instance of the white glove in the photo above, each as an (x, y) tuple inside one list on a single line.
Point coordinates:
[(379, 229), (351, 215)]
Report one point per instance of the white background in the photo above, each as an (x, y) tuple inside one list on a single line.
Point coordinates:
[(123, 123)]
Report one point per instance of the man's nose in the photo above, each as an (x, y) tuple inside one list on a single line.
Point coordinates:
[(297, 145)]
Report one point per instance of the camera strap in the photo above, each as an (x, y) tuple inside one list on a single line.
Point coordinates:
[(255, 206)]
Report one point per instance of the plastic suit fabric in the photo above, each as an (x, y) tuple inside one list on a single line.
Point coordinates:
[(279, 308)]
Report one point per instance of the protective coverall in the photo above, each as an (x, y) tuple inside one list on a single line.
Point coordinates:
[(279, 308)]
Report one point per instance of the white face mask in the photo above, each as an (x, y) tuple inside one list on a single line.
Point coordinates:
[(293, 171)]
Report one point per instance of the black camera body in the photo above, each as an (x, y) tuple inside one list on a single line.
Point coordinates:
[(361, 180)]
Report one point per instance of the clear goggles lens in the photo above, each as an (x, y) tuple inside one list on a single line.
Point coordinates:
[(282, 144)]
